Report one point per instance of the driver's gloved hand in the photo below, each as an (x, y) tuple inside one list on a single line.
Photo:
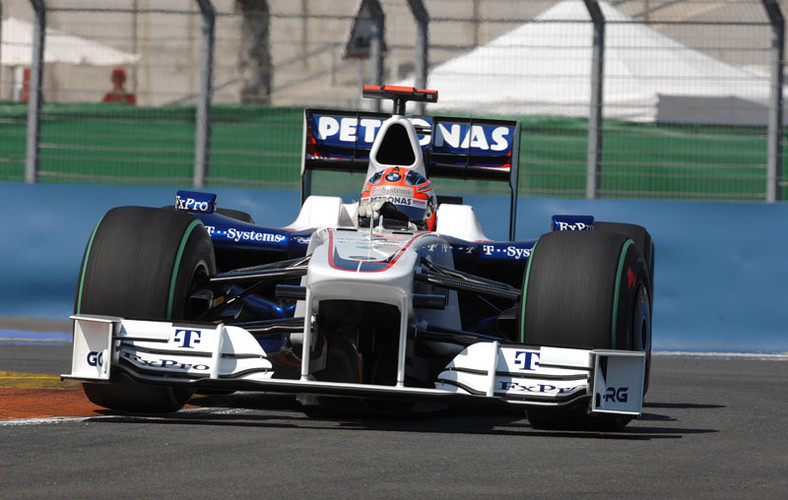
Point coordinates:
[(382, 208), (372, 209)]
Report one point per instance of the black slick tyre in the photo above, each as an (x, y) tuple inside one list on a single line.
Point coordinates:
[(642, 239), (645, 245), (586, 290), (143, 263)]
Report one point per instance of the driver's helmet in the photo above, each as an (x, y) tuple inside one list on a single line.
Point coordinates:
[(407, 190)]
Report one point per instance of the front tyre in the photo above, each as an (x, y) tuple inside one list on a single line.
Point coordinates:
[(587, 290), (143, 263), (642, 239), (643, 242)]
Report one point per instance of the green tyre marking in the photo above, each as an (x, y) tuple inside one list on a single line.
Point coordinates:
[(621, 258), (525, 289), (177, 265), (85, 267)]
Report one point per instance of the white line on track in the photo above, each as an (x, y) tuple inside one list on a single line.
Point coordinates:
[(750, 356), (42, 421)]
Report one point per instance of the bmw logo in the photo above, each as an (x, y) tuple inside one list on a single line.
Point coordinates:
[(393, 176)]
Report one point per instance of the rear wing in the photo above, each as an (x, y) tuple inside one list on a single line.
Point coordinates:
[(455, 148)]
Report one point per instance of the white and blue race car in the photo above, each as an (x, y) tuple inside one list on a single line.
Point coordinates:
[(399, 295)]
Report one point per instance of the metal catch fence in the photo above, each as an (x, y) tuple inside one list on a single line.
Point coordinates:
[(638, 98)]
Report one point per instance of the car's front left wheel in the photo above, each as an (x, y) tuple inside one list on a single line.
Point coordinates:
[(585, 290), (143, 263)]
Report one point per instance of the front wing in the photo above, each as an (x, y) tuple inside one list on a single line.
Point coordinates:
[(229, 358)]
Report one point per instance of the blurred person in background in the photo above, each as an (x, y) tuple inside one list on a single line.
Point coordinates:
[(118, 92)]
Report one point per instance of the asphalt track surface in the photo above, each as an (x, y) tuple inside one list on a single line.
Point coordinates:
[(712, 428)]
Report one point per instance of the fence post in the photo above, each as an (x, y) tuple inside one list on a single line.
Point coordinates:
[(1, 39), (376, 45), (594, 152), (32, 161), (774, 157), (421, 49), (202, 138)]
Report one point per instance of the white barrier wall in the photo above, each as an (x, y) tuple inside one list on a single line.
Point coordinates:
[(721, 273)]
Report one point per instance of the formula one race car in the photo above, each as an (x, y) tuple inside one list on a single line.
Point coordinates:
[(397, 296)]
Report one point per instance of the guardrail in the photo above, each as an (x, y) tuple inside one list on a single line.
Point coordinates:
[(173, 55)]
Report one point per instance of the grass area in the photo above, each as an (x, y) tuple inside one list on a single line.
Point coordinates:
[(259, 146)]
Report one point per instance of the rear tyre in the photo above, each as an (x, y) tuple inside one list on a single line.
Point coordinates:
[(143, 263), (585, 290), (238, 215), (235, 214)]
